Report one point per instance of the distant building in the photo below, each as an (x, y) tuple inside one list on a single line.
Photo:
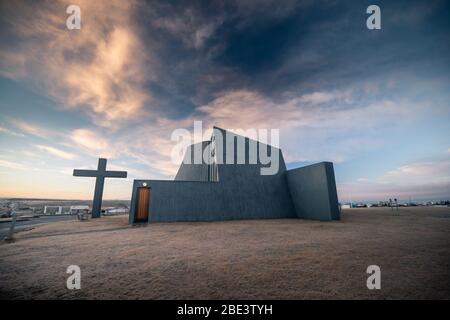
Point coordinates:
[(78, 209), (55, 210), (115, 210)]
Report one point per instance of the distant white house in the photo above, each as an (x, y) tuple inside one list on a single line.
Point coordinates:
[(56, 210), (115, 210), (78, 209)]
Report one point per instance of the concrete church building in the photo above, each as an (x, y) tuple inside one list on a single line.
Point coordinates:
[(222, 188)]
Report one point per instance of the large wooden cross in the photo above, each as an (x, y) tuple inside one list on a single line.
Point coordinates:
[(100, 174)]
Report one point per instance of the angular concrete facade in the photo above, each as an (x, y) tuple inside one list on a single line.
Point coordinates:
[(225, 185)]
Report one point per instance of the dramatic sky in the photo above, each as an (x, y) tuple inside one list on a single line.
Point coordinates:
[(374, 102)]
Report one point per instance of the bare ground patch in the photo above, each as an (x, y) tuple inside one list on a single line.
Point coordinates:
[(251, 259)]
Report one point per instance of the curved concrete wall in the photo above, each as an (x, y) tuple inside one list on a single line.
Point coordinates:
[(189, 171)]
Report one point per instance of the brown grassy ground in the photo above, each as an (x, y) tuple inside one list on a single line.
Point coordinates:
[(259, 259)]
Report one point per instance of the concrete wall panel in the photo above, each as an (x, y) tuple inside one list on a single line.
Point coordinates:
[(313, 191)]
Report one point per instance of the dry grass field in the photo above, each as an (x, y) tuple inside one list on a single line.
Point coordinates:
[(252, 259)]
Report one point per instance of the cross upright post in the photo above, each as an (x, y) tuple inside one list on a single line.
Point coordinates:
[(100, 174)]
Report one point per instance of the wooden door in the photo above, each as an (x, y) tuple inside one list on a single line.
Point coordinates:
[(142, 205)]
